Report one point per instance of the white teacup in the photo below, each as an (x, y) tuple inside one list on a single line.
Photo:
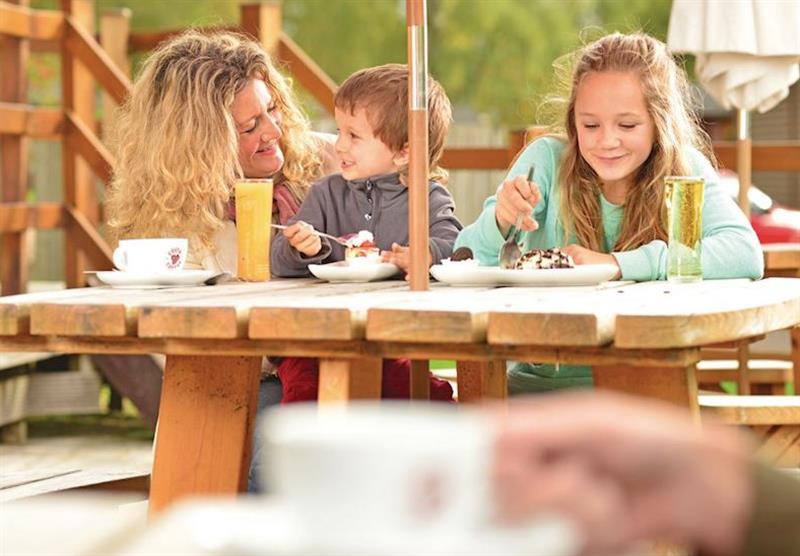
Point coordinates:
[(151, 255), (395, 478)]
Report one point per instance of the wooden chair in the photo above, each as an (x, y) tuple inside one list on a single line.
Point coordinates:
[(774, 420)]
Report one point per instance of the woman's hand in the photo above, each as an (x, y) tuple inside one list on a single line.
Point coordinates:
[(302, 237), (517, 195), (581, 255), (400, 255)]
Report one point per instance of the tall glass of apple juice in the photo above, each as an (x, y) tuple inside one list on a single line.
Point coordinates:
[(253, 219)]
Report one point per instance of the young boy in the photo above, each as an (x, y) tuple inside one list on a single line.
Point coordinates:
[(369, 194)]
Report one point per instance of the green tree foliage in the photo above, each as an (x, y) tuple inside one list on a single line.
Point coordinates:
[(496, 56)]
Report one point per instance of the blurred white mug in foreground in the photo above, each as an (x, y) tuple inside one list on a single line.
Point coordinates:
[(151, 255), (396, 478)]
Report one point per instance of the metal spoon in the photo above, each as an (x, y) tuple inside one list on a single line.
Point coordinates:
[(339, 240), (510, 251)]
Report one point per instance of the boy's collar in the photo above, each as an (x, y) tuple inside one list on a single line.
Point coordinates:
[(392, 178)]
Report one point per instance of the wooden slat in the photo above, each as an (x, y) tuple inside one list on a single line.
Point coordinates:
[(781, 256), (83, 140), (341, 380), (84, 47), (752, 410), (37, 123), (14, 267), (205, 316), (207, 417), (15, 310), (486, 158), (707, 312), (25, 23), (263, 22), (333, 312), (17, 217), (150, 40), (307, 72), (771, 156), (89, 240), (481, 380)]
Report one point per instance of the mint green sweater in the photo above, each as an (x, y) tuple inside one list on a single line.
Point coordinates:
[(730, 248)]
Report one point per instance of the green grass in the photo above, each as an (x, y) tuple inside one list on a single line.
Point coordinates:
[(732, 388), (442, 364)]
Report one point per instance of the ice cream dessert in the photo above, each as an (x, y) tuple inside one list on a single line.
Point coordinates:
[(544, 258), (361, 248), (461, 256)]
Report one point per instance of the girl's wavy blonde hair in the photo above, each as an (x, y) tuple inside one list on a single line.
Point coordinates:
[(668, 96), (176, 141)]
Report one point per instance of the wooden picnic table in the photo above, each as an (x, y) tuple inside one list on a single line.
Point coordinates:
[(640, 338)]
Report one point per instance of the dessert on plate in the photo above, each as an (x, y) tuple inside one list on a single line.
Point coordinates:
[(462, 256), (361, 248), (544, 258)]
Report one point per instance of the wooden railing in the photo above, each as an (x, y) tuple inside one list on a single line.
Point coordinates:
[(84, 61)]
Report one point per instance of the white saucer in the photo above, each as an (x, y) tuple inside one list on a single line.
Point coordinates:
[(123, 279), (361, 272), (581, 275)]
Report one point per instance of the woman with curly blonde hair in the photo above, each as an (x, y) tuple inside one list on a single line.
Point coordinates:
[(205, 109), (598, 190)]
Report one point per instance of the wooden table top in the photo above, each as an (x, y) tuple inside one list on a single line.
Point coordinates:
[(252, 316)]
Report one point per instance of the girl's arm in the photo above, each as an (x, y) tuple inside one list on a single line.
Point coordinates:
[(442, 222), (483, 236), (730, 247)]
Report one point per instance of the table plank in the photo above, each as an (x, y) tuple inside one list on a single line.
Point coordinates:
[(575, 316), (15, 309), (337, 312), (442, 315), (662, 315)]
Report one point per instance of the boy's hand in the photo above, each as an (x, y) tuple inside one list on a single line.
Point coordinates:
[(400, 255), (302, 237), (517, 195)]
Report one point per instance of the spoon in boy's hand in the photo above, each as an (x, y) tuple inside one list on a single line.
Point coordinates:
[(510, 251), (339, 240)]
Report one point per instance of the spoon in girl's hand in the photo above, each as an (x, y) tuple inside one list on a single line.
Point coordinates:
[(339, 240)]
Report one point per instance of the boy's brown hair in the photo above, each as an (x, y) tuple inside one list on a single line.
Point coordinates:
[(382, 91)]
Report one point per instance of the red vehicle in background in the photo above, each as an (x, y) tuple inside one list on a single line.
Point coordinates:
[(772, 222)]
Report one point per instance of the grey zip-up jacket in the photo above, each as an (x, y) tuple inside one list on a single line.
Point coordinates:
[(336, 206)]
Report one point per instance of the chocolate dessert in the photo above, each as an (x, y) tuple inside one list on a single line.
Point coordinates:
[(461, 254), (544, 258)]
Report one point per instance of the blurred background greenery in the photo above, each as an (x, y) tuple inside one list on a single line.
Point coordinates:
[(493, 56)]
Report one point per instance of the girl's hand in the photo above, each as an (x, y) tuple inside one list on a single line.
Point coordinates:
[(516, 196), (400, 255), (302, 237), (581, 255)]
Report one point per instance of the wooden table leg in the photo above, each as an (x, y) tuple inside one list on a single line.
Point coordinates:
[(677, 385), (481, 379), (350, 379), (420, 382), (205, 427), (795, 335)]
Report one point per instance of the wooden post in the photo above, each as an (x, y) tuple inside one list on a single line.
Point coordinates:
[(263, 22), (206, 422), (795, 336), (14, 162), (420, 384), (341, 380), (78, 91), (115, 28), (418, 143), (744, 158), (480, 380)]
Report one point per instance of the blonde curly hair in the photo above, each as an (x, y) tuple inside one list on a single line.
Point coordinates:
[(176, 141), (670, 103)]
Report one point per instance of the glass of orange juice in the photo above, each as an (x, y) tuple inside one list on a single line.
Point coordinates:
[(253, 219)]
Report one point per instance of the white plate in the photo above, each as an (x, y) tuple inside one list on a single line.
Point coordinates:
[(343, 272), (581, 275), (122, 279)]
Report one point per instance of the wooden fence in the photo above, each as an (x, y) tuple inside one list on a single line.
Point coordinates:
[(85, 61)]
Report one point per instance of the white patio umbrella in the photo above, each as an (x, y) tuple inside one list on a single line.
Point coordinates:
[(418, 142), (748, 55)]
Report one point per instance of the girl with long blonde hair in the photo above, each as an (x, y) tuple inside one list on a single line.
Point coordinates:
[(206, 109), (598, 189)]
